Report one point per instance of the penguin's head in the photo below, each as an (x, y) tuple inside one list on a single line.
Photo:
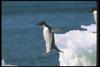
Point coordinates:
[(42, 23), (93, 9)]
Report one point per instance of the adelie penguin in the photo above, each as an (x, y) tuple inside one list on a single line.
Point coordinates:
[(48, 35), (94, 13)]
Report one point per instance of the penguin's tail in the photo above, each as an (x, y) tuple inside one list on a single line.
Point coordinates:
[(59, 50), (55, 47)]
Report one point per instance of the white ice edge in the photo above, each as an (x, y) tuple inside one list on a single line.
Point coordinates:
[(4, 64)]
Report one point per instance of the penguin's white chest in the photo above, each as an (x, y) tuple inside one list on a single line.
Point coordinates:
[(46, 34), (48, 39), (95, 15)]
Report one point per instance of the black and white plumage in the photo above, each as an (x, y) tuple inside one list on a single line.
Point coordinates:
[(94, 13), (48, 37)]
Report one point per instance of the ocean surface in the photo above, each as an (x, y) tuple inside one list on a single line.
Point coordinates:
[(22, 39)]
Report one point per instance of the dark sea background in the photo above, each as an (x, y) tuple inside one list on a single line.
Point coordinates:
[(22, 39)]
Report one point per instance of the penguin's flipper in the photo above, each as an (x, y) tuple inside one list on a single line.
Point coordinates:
[(59, 50)]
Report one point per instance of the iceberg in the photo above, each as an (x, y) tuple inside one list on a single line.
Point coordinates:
[(79, 47)]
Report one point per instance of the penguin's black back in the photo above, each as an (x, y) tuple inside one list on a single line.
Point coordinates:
[(53, 43)]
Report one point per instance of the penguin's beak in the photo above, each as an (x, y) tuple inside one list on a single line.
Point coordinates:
[(91, 10), (38, 24)]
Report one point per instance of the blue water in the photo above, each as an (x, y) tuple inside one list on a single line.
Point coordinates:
[(22, 40)]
